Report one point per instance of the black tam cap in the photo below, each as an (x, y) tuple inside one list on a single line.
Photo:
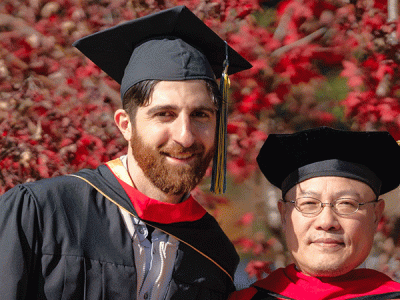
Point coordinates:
[(370, 157), (172, 44)]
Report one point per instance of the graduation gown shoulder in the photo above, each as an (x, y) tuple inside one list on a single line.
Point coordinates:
[(62, 238)]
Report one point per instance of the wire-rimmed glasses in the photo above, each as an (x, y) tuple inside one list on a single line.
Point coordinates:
[(310, 206)]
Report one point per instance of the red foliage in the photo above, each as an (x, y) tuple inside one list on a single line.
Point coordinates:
[(258, 269), (246, 219)]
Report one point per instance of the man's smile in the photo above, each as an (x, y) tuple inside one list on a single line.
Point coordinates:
[(182, 157), (328, 243)]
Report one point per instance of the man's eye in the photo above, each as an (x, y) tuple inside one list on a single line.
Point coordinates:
[(164, 114), (201, 114), (307, 202), (310, 203), (347, 202)]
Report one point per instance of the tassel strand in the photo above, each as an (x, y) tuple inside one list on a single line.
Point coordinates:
[(218, 179)]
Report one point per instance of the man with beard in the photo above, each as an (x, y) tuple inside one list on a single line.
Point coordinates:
[(130, 229), (331, 182)]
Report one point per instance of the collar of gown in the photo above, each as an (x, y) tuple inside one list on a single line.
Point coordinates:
[(152, 210)]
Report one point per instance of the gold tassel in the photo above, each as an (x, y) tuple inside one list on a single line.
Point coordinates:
[(218, 179)]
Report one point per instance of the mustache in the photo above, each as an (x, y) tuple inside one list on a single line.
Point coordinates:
[(176, 149)]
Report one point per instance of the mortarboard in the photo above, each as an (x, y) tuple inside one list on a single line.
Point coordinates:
[(172, 44), (370, 157)]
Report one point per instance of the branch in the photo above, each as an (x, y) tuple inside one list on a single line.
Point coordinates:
[(393, 15), (383, 87), (114, 96), (304, 41), (10, 58), (393, 10), (281, 29), (19, 25)]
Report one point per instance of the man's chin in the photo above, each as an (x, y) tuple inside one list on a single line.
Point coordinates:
[(177, 189), (177, 180), (327, 269)]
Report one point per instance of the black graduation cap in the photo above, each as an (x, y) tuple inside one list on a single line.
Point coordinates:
[(173, 44), (371, 157)]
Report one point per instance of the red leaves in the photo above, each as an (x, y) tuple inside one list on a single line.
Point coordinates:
[(88, 70), (54, 123), (209, 201), (258, 247), (236, 9), (379, 104), (24, 51), (350, 70), (246, 219), (246, 9), (258, 269), (245, 244), (250, 103)]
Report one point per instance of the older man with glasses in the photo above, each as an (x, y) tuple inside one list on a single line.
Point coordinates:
[(331, 182)]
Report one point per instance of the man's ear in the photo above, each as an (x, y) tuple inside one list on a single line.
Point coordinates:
[(123, 121), (282, 210), (379, 208)]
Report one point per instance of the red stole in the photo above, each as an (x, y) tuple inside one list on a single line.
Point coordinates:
[(152, 210), (358, 282)]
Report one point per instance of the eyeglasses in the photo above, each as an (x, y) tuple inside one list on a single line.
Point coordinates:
[(312, 207)]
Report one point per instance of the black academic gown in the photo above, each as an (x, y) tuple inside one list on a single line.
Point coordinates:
[(63, 238)]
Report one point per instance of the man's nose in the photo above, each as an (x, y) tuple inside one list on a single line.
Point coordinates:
[(183, 131), (327, 218)]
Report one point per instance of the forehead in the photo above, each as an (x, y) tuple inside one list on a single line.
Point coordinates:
[(332, 186), (186, 93)]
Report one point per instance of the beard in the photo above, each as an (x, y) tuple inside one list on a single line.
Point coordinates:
[(172, 180)]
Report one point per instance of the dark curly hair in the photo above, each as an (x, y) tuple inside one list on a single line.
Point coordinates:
[(139, 95)]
